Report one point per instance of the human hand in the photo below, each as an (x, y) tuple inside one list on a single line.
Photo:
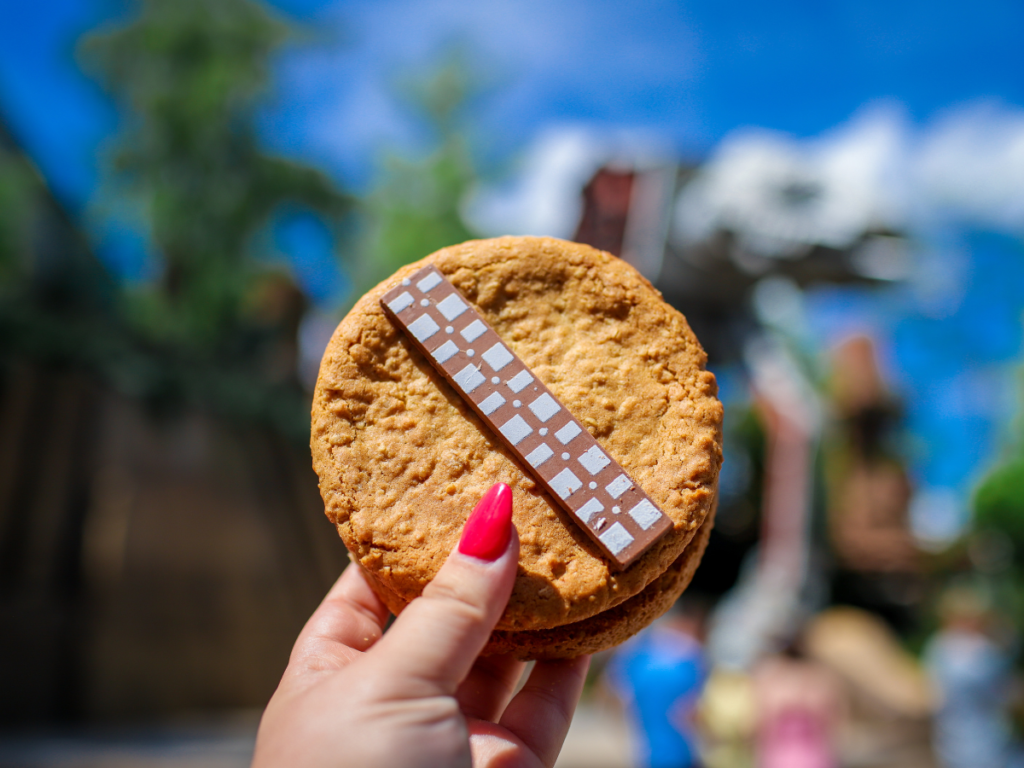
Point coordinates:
[(419, 695)]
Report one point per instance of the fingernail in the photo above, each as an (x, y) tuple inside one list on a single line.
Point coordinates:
[(489, 528)]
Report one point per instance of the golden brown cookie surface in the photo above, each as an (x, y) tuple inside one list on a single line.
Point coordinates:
[(402, 459)]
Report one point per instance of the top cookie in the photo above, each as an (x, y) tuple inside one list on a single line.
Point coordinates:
[(402, 459)]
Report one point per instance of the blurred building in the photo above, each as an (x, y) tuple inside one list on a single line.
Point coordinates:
[(727, 244)]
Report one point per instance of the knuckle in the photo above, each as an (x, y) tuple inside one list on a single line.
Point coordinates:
[(455, 600)]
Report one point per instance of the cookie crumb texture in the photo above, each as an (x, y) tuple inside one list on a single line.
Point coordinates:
[(402, 459)]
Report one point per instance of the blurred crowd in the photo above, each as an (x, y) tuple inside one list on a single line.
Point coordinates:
[(842, 691)]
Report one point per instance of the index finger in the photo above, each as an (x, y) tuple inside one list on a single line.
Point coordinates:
[(434, 643)]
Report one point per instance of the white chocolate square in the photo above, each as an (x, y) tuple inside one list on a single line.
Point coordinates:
[(445, 352), (589, 509), (565, 483), (403, 301), (519, 382), (497, 357), (429, 283), (469, 378), (539, 455), (451, 307), (616, 538), (515, 429), (491, 403), (619, 486), (594, 460), (423, 327), (645, 514), (544, 407), (568, 433), (473, 331)]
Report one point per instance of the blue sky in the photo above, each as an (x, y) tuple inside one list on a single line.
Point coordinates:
[(685, 75), (686, 72)]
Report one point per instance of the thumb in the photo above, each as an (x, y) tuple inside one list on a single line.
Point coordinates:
[(434, 642)]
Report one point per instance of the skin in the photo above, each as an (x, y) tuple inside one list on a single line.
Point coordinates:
[(417, 695)]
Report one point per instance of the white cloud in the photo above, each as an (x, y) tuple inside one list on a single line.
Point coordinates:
[(780, 195), (545, 198), (971, 165)]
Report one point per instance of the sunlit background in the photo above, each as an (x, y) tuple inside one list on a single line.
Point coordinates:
[(193, 192)]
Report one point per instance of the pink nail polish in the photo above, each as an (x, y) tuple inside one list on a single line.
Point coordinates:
[(489, 528)]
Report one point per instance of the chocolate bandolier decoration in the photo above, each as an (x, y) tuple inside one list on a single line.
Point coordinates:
[(548, 440)]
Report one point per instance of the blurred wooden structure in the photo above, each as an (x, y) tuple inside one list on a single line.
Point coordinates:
[(151, 562), (149, 567)]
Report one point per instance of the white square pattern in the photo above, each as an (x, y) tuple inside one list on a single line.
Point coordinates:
[(645, 514), (539, 455), (565, 483), (568, 433), (402, 302), (544, 407), (469, 378), (491, 403), (497, 357), (473, 331), (616, 538), (429, 283), (594, 460), (423, 327), (451, 307), (445, 352), (619, 486), (519, 382), (589, 509), (515, 429)]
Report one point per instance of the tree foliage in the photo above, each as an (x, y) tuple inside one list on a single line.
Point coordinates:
[(999, 501), (999, 498), (415, 208), (189, 75)]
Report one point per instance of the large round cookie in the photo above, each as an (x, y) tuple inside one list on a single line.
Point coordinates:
[(402, 459)]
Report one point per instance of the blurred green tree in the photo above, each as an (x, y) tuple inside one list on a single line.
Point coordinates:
[(414, 209), (188, 75), (996, 544), (17, 190), (53, 293), (999, 501), (999, 498)]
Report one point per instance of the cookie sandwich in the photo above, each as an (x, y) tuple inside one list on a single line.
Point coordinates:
[(549, 366)]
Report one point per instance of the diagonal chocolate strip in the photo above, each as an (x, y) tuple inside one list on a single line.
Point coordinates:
[(541, 432)]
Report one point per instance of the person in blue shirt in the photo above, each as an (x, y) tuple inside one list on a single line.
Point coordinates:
[(659, 675), (972, 675)]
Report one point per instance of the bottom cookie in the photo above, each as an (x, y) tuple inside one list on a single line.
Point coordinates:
[(605, 630), (616, 625)]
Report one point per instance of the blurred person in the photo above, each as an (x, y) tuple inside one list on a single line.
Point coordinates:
[(728, 719), (659, 676), (799, 709), (890, 699), (418, 695), (972, 675)]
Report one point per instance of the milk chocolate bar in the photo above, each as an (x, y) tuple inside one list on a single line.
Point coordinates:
[(539, 430)]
